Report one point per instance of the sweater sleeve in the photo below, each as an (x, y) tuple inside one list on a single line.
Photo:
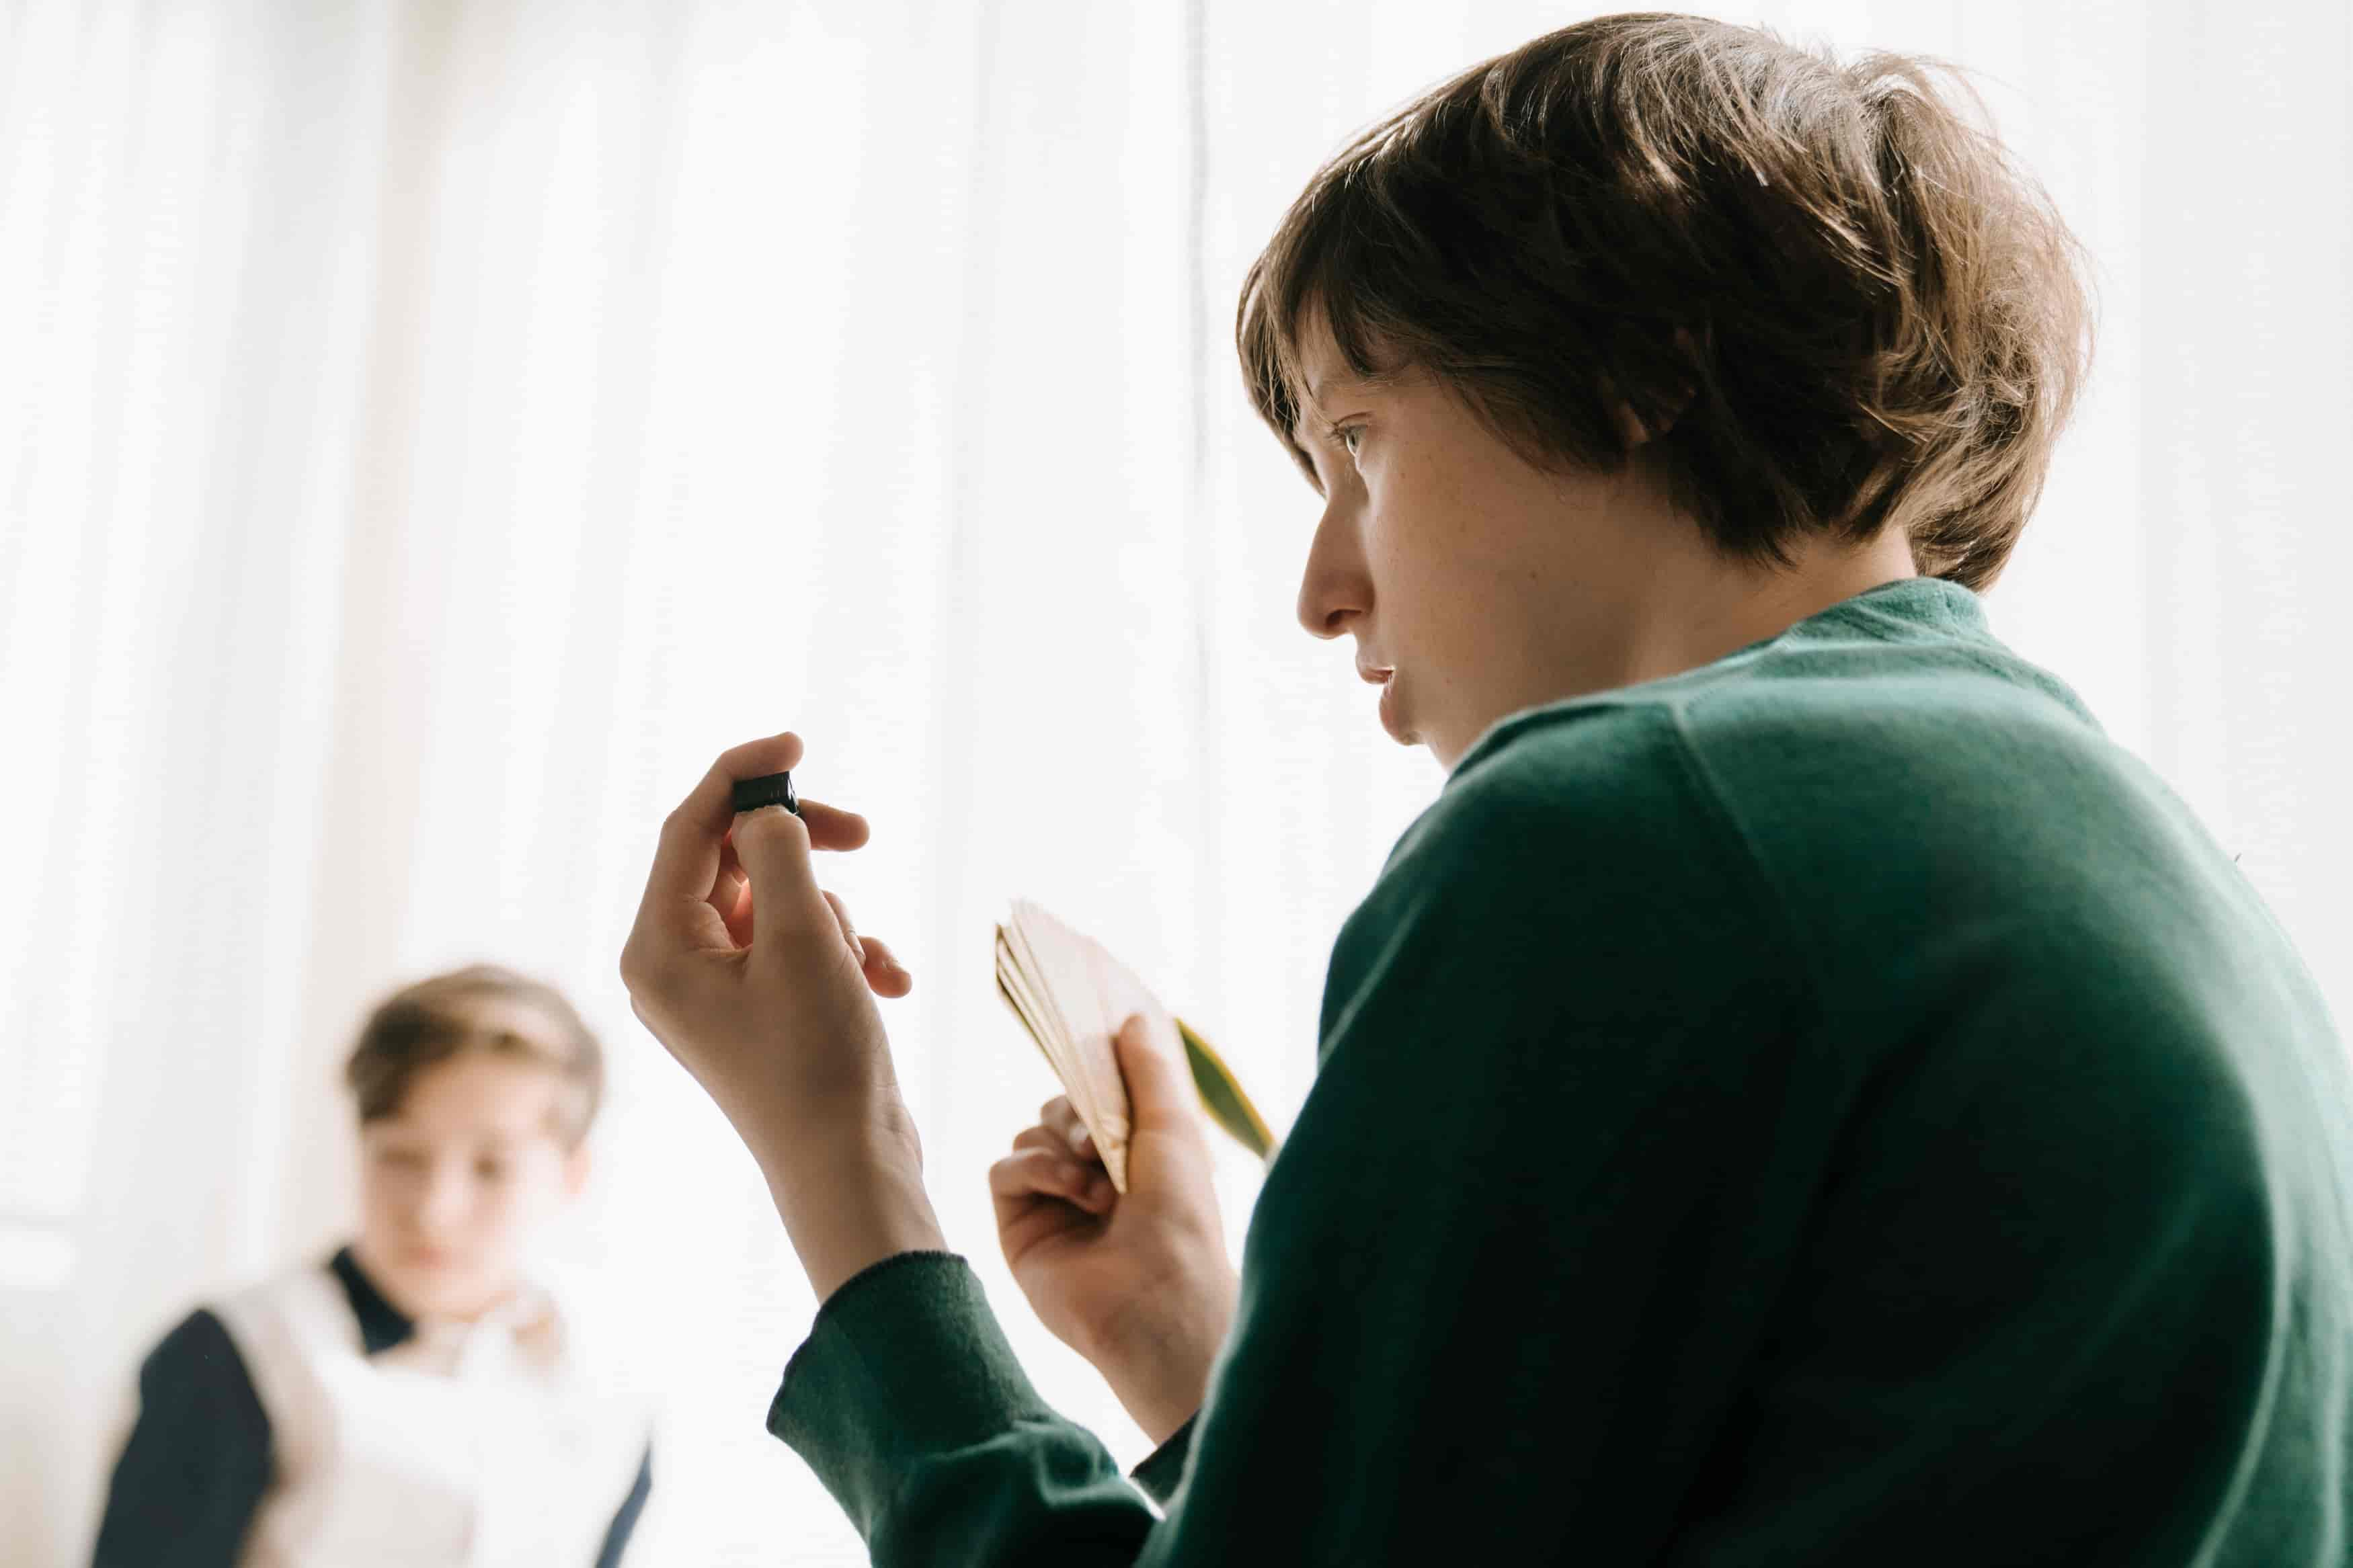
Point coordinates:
[(908, 1405), (1163, 1467), (197, 1461), (1500, 1281)]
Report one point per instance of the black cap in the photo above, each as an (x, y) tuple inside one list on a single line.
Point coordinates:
[(771, 789)]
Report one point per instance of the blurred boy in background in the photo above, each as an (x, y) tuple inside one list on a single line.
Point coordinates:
[(418, 1397)]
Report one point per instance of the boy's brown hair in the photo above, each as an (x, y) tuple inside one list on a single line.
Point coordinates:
[(1854, 308), (437, 1018)]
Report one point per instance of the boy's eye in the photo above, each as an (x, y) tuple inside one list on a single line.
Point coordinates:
[(1349, 437), (490, 1170)]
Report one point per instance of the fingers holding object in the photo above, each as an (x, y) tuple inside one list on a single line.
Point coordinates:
[(712, 800), (774, 847), (1031, 1173), (685, 859), (688, 857), (1061, 1118), (834, 827), (1041, 1137)]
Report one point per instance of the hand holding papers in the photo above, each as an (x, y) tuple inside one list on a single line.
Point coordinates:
[(1071, 995)]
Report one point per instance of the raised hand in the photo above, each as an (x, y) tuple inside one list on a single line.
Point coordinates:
[(754, 979)]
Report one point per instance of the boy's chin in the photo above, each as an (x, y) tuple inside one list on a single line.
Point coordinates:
[(429, 1290), (1392, 714)]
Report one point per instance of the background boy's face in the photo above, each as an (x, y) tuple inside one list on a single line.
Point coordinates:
[(454, 1182), (1486, 583)]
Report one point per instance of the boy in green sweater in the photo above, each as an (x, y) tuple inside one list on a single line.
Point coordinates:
[(1799, 1094)]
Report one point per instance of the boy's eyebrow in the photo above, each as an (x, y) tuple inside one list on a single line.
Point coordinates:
[(1312, 401), (1315, 388)]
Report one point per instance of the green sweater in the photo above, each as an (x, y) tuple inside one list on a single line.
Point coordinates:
[(1832, 1106)]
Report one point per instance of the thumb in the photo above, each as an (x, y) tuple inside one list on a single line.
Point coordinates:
[(772, 846), (1160, 1092)]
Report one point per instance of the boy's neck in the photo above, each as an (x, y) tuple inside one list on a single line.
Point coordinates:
[(1676, 609), (1723, 606)]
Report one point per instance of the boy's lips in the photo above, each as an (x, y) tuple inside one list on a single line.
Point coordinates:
[(1374, 673)]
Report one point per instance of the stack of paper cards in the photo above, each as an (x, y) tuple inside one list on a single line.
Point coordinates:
[(1071, 996)]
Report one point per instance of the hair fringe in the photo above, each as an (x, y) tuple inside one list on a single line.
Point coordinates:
[(432, 1020)]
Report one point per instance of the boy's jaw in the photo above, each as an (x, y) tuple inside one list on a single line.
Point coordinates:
[(426, 1281)]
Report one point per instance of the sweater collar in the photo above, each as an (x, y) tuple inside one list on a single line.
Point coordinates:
[(1903, 609)]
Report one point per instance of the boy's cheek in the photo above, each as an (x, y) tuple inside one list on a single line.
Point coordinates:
[(480, 1256), (506, 1223)]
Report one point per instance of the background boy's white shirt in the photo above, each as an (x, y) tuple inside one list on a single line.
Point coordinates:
[(483, 1444)]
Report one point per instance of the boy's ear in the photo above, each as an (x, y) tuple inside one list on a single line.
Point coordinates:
[(575, 1169)]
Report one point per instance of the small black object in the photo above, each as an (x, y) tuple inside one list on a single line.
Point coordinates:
[(770, 789)]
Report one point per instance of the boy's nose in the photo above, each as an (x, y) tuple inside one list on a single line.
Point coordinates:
[(1331, 584), (442, 1207)]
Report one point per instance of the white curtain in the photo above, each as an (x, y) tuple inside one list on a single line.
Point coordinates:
[(429, 431)]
